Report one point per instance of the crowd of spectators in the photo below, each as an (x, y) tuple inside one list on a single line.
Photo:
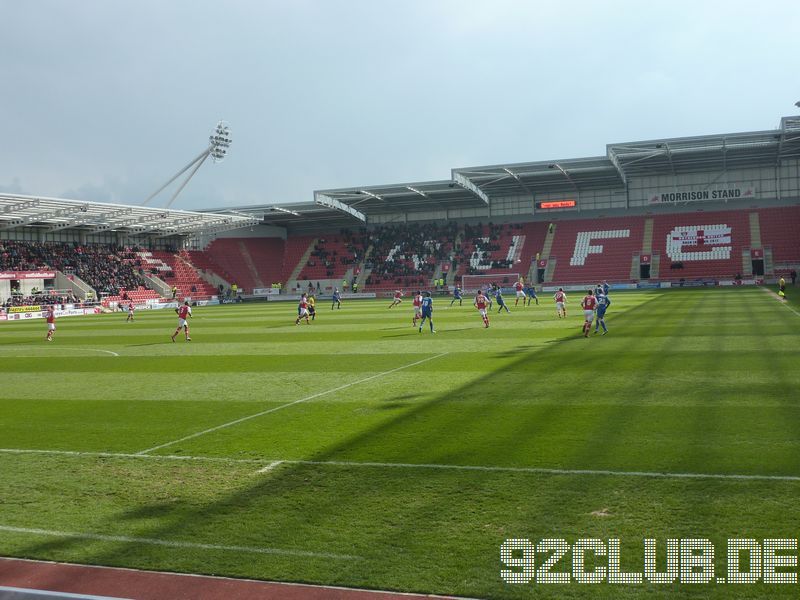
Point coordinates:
[(480, 241), (105, 267), (407, 254), (346, 249), (41, 298)]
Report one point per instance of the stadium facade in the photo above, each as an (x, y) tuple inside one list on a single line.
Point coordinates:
[(544, 220), (749, 168)]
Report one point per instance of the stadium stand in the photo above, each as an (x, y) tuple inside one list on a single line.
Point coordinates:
[(106, 268), (701, 244), (779, 233), (491, 249), (178, 271), (250, 263), (334, 255), (407, 255), (294, 251), (589, 250), (139, 295)]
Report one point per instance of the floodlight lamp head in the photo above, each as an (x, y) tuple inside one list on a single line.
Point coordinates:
[(219, 141)]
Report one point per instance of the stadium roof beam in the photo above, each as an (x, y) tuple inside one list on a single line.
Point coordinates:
[(564, 173), (105, 221), (668, 152), (24, 205), (612, 156), (325, 200), (515, 176), (45, 216), (467, 184), (286, 211)]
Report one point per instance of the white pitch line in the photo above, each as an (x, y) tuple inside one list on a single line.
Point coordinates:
[(271, 464), (172, 544), (288, 404), (782, 301), (60, 348)]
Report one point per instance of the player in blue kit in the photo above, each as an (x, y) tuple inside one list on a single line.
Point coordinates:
[(603, 302), (531, 293), (337, 299), (427, 311), (498, 296), (456, 296)]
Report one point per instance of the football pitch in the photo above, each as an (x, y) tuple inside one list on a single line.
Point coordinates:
[(357, 451)]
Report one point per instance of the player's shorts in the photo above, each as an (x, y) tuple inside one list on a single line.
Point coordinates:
[(427, 313), (51, 326), (588, 315), (302, 312), (521, 294), (417, 310), (601, 313), (559, 306), (482, 312), (182, 323)]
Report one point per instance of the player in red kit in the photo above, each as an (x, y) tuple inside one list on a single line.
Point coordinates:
[(302, 310), (520, 287), (398, 295), (417, 302), (50, 316), (589, 303), (480, 304), (561, 303), (131, 308), (184, 313)]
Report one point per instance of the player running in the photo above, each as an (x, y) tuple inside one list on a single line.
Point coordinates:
[(50, 317), (520, 287), (603, 302), (337, 299), (398, 298), (531, 292), (498, 296), (131, 308), (417, 303), (302, 310), (480, 304), (312, 307), (456, 296), (561, 303), (184, 313), (588, 304), (427, 312)]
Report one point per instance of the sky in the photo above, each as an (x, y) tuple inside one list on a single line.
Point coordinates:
[(105, 100)]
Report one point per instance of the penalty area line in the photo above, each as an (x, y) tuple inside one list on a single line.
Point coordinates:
[(268, 465), (171, 543), (288, 404)]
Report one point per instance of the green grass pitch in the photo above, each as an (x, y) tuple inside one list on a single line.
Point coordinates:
[(357, 451)]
